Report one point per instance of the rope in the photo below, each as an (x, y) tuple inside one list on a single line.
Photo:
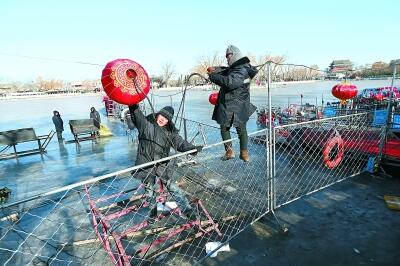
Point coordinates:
[(53, 59)]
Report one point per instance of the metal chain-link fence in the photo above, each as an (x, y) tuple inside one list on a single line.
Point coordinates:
[(312, 155), (163, 212), (169, 211)]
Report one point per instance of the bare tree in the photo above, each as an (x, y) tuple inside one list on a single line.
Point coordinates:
[(206, 61), (313, 72), (276, 68), (88, 85), (167, 72), (46, 85)]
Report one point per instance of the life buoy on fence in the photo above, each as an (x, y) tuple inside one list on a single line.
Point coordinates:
[(330, 144)]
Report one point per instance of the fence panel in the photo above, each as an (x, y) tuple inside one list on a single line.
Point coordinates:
[(312, 155), (131, 217)]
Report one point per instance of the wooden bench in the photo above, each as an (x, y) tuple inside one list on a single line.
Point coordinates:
[(12, 138), (83, 129)]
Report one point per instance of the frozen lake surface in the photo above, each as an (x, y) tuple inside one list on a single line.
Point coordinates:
[(64, 164)]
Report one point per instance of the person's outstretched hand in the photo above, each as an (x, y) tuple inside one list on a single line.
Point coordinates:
[(198, 148), (210, 70)]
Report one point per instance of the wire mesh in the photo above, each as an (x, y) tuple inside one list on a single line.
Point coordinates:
[(165, 212), (312, 155), (162, 212)]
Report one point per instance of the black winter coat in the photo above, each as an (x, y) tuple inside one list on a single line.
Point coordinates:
[(155, 142), (234, 95), (58, 123), (96, 118)]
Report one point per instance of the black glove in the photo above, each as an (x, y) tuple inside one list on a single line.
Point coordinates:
[(132, 108), (252, 71), (199, 148)]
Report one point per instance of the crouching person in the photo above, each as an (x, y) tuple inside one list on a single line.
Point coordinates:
[(157, 134)]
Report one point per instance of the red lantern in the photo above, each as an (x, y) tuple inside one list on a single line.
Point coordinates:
[(213, 98), (210, 70), (378, 96), (344, 91), (125, 81)]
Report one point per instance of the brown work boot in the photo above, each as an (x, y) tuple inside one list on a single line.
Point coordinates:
[(244, 155), (229, 154)]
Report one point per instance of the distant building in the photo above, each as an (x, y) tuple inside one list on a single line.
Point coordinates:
[(5, 89), (379, 66), (340, 66), (395, 62)]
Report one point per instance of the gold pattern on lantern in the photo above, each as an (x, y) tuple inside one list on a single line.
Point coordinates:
[(126, 85)]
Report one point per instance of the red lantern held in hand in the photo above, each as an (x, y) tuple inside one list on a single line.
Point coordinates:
[(213, 98), (210, 70), (344, 91), (125, 81)]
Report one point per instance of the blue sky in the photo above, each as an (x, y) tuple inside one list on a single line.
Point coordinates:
[(155, 32)]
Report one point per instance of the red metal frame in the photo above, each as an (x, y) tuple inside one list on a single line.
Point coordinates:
[(106, 234)]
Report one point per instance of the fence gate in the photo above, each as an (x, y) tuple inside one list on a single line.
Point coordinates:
[(312, 155)]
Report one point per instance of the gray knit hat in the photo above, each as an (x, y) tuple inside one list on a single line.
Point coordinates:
[(167, 112), (236, 54)]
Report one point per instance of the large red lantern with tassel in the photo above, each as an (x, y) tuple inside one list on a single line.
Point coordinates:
[(213, 98), (344, 91), (125, 81)]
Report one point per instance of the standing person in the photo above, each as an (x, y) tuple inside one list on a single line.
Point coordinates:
[(157, 134), (233, 107), (96, 118), (59, 124)]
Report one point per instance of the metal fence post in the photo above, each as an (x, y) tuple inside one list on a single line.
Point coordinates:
[(269, 143), (385, 128), (183, 109)]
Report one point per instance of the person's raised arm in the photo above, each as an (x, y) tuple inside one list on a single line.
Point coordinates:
[(182, 145), (232, 81), (138, 119)]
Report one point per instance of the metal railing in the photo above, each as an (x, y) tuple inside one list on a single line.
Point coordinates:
[(198, 199), (312, 155), (110, 219)]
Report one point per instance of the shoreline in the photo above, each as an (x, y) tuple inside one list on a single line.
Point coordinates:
[(198, 88), (274, 85), (253, 86), (51, 96)]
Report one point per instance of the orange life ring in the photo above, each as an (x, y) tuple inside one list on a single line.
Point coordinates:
[(332, 163)]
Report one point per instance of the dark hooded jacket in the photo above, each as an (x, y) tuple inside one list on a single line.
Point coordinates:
[(234, 95), (58, 123), (155, 142), (96, 117)]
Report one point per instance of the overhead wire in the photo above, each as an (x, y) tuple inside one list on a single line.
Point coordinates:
[(53, 59)]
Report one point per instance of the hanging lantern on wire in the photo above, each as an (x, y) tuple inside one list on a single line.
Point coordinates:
[(125, 81), (213, 98), (344, 91), (378, 97)]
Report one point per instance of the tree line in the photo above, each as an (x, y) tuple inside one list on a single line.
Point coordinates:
[(168, 77)]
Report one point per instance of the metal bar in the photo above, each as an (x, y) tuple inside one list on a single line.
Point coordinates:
[(180, 243), (388, 119), (99, 178), (184, 114), (5, 148), (273, 195), (209, 217), (321, 120), (15, 151), (142, 251), (231, 237), (269, 142)]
